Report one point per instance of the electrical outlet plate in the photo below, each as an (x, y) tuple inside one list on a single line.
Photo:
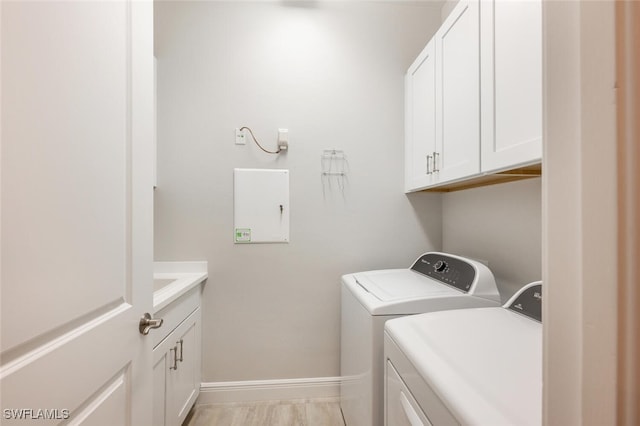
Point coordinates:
[(240, 140)]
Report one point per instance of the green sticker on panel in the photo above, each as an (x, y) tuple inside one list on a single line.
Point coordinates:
[(243, 235)]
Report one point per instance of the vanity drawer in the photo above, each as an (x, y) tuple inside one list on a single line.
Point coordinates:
[(175, 312)]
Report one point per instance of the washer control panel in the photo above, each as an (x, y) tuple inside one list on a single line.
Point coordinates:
[(448, 270), (529, 303)]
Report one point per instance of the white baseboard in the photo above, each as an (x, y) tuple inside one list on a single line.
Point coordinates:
[(268, 390)]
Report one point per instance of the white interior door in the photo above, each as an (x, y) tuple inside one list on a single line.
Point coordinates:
[(76, 211)]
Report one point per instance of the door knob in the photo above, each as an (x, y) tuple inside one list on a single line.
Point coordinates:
[(147, 323)]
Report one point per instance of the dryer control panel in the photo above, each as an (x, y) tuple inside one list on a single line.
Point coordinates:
[(446, 269), (529, 302)]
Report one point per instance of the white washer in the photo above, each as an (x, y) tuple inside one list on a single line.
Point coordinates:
[(471, 367), (435, 282)]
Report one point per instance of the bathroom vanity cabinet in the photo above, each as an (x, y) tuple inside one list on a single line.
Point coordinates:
[(177, 353)]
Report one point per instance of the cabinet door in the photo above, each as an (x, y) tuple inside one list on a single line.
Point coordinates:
[(458, 94), (176, 372), (160, 368), (420, 120), (183, 381), (511, 83)]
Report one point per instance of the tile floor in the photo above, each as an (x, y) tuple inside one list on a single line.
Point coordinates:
[(298, 412)]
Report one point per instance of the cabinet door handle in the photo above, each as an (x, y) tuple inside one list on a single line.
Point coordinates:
[(435, 162), (428, 161), (180, 342), (175, 358)]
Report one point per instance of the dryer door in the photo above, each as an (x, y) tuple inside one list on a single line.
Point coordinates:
[(401, 408)]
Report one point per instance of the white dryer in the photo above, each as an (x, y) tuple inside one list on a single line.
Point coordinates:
[(435, 282), (467, 367)]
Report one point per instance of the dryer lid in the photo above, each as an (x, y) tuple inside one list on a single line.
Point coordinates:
[(485, 364), (398, 284)]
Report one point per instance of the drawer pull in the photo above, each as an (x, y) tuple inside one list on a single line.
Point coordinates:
[(175, 358)]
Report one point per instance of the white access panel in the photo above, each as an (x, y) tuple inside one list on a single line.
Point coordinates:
[(261, 206)]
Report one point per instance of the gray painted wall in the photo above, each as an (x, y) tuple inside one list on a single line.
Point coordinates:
[(500, 224), (332, 73)]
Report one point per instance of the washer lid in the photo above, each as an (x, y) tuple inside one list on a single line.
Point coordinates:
[(398, 284)]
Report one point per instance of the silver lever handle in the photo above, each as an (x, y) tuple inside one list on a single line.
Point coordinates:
[(146, 323)]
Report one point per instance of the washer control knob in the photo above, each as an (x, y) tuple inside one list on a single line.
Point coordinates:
[(440, 266)]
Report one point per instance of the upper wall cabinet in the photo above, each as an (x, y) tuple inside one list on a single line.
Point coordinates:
[(457, 153), (441, 92), (420, 119), (511, 82), (473, 98)]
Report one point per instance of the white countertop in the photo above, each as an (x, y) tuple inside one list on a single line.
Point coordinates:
[(173, 279)]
